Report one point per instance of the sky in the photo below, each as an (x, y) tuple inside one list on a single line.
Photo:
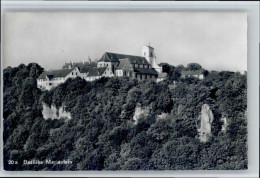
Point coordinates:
[(216, 40)]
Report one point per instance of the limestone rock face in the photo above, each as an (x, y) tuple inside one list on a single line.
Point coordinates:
[(180, 109), (225, 124), (54, 113), (140, 112), (162, 116), (143, 112), (206, 118)]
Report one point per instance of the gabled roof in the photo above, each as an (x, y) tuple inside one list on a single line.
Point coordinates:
[(102, 70), (196, 72), (84, 69), (121, 64), (96, 71), (55, 73), (115, 57), (93, 71), (79, 64), (124, 64), (146, 71)]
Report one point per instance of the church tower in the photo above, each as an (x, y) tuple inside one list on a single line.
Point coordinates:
[(148, 53)]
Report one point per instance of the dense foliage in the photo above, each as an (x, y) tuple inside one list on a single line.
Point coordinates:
[(102, 133)]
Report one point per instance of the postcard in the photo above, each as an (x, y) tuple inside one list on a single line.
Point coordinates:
[(124, 91)]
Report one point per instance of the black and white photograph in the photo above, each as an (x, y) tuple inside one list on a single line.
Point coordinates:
[(117, 91)]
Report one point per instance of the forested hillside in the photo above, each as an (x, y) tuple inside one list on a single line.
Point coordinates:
[(102, 135)]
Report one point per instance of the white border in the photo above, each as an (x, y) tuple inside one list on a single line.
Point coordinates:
[(252, 9)]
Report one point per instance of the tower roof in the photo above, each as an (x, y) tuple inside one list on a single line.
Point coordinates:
[(148, 46)]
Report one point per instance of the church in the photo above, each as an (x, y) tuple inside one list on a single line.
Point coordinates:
[(110, 64)]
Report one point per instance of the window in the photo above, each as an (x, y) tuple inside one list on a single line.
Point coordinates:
[(130, 73), (76, 73), (124, 73), (151, 54), (113, 68), (100, 65), (71, 73), (107, 64), (145, 76), (141, 76)]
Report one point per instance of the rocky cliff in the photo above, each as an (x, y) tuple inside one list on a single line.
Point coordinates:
[(144, 112), (225, 124), (140, 112), (206, 118), (54, 113)]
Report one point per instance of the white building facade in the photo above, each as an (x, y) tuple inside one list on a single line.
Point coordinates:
[(197, 74), (53, 78)]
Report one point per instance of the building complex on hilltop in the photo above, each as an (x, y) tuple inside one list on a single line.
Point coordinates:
[(110, 64)]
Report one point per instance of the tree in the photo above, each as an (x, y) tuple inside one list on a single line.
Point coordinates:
[(173, 73), (193, 66), (102, 134)]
